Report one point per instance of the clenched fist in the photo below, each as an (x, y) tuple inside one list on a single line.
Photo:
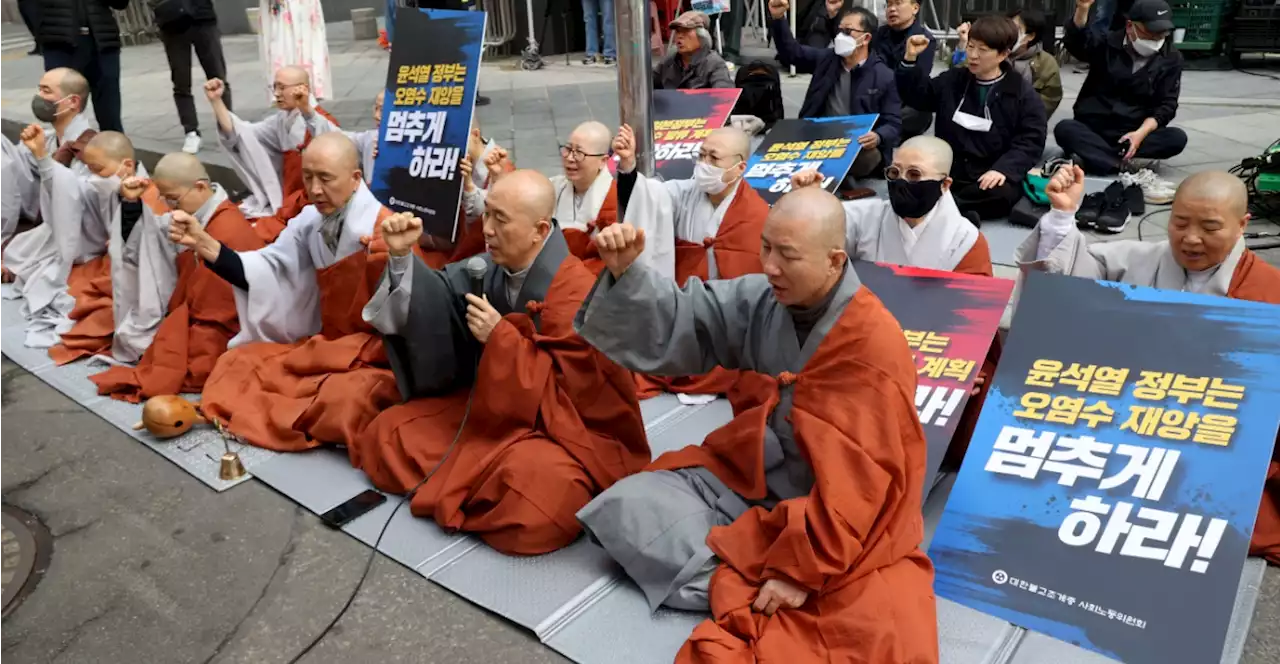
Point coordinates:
[(131, 188), (213, 88), (619, 245), (493, 161), (806, 178), (33, 138), (778, 8), (401, 231), (916, 45), (1066, 189), (185, 229), (624, 145)]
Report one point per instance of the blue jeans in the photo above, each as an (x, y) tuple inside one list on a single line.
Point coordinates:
[(1102, 11), (591, 8), (390, 19)]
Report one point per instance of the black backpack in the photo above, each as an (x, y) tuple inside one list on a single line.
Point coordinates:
[(761, 92)]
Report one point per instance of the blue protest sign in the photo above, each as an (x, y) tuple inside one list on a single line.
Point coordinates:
[(826, 144), (1110, 489), (426, 117)]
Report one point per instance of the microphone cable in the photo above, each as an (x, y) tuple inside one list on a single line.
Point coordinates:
[(373, 554)]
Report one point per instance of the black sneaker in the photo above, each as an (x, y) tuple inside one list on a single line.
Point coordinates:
[(1133, 196), (608, 61), (589, 60), (1115, 214), (482, 100), (1089, 210)]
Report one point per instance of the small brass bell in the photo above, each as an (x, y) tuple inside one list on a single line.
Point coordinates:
[(232, 468)]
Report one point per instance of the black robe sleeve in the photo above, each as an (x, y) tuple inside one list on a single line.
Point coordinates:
[(439, 355)]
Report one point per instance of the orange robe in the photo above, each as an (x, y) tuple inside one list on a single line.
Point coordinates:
[(581, 243), (90, 284), (854, 541), (201, 320), (294, 193), (737, 249), (323, 389), (552, 423), (1256, 281)]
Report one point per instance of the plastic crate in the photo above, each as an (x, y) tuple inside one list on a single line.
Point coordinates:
[(1202, 21)]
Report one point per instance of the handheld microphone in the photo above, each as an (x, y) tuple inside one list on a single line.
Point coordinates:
[(475, 270)]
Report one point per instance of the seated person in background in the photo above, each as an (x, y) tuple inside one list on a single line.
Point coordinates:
[(694, 64), (320, 373), (992, 118), (178, 316), (823, 23), (890, 41), (848, 79), (61, 267), (59, 100), (265, 154), (1205, 253), (366, 141), (549, 422), (1131, 93), (716, 218), (807, 507), (1029, 58)]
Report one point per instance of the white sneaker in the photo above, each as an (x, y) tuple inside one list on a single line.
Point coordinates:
[(1154, 190), (192, 144)]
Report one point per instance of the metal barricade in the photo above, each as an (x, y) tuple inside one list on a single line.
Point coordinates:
[(499, 29), (137, 24)]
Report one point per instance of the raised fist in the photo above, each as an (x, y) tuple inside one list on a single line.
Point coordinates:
[(806, 178), (624, 145), (619, 245), (778, 8), (916, 45), (468, 183), (475, 145), (33, 138), (1066, 189), (213, 88), (963, 33), (185, 229), (131, 188), (401, 231), (494, 161)]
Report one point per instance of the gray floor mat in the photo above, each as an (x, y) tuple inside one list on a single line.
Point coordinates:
[(619, 629)]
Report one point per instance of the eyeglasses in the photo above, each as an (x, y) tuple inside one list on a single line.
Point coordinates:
[(711, 158), (175, 201), (910, 175), (849, 31), (576, 154)]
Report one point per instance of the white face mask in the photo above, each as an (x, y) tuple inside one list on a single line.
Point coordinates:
[(105, 186), (844, 45), (1145, 47), (709, 179)]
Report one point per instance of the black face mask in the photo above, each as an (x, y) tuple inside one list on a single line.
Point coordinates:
[(912, 200), (43, 109)]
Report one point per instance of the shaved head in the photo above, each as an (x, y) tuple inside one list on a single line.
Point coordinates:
[(592, 136), (1209, 215), (928, 153), (292, 75), (331, 171), (592, 140), (109, 153), (288, 87), (803, 246), (729, 143), (180, 168), (71, 82), (113, 144), (517, 218)]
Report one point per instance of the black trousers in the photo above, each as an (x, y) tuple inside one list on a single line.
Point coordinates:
[(100, 68), (1099, 150), (206, 40), (30, 11), (914, 122), (989, 204)]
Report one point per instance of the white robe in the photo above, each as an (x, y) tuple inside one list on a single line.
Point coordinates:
[(1067, 251), (282, 304), (874, 232), (75, 230), (21, 192), (257, 152), (295, 36)]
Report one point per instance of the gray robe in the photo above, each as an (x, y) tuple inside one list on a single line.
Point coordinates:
[(21, 194), (257, 152), (643, 322), (441, 355)]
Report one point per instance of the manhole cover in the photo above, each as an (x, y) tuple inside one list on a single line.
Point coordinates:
[(25, 546)]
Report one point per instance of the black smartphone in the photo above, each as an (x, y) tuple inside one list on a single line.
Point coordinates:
[(352, 509)]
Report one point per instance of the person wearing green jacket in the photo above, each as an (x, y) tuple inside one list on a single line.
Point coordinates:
[(1029, 57)]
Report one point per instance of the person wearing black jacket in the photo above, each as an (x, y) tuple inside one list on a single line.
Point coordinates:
[(1131, 94), (83, 35), (184, 25), (824, 18), (902, 22), (848, 79), (992, 117)]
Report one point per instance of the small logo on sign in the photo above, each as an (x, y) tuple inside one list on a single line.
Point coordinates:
[(999, 577)]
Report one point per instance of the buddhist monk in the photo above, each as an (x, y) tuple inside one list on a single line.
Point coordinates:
[(798, 524), (176, 316), (551, 422), (920, 226), (1205, 253), (59, 101), (319, 374), (265, 154), (716, 219)]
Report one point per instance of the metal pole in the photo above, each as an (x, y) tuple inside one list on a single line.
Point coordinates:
[(635, 77)]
